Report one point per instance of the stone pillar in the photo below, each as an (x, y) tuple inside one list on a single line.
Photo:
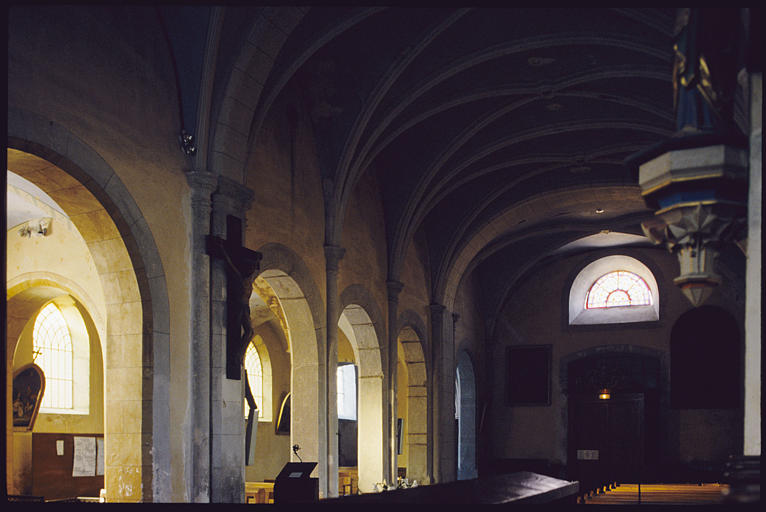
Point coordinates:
[(227, 448), (197, 422), (443, 349), (753, 275), (390, 462), (333, 255)]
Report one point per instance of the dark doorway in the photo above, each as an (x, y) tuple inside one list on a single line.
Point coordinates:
[(615, 438), (705, 360), (607, 438)]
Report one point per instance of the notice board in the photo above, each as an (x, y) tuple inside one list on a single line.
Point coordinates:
[(57, 476)]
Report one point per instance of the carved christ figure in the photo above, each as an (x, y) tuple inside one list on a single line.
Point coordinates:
[(243, 276)]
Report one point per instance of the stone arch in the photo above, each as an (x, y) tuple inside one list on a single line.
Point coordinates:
[(26, 296), (301, 302), (417, 429), (364, 331), (466, 461), (49, 280), (129, 266)]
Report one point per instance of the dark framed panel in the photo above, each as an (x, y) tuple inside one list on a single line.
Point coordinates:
[(528, 375), (28, 391)]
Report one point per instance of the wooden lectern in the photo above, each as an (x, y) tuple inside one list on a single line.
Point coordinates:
[(294, 484)]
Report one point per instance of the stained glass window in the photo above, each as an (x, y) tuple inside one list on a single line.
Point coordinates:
[(617, 289), (254, 376), (52, 344)]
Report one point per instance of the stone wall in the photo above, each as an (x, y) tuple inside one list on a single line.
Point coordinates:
[(536, 313)]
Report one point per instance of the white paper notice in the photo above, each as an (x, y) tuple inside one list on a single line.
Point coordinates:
[(59, 447), (99, 456), (84, 456)]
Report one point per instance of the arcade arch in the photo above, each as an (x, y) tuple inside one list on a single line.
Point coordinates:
[(126, 261), (302, 311), (360, 330), (412, 405)]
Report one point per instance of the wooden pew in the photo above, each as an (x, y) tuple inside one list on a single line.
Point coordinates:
[(259, 492), (348, 480)]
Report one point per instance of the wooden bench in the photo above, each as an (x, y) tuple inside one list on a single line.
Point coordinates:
[(348, 481), (259, 492)]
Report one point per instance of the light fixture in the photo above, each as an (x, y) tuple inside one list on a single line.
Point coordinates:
[(599, 210), (604, 394)]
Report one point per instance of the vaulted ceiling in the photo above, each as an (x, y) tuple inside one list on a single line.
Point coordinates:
[(484, 124), (496, 135)]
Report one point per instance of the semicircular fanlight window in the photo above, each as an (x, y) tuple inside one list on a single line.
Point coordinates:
[(618, 289)]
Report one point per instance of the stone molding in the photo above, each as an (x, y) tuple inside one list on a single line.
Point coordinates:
[(333, 254)]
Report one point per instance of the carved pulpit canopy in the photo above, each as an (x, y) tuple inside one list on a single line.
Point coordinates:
[(28, 389)]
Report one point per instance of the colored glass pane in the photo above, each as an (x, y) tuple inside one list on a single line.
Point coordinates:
[(618, 289)]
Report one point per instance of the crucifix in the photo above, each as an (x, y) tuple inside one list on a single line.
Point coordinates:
[(242, 267)]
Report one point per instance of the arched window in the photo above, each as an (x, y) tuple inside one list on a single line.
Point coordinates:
[(617, 289), (614, 289), (258, 368), (347, 392), (254, 371), (52, 345)]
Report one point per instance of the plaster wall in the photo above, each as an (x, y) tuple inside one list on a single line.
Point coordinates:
[(535, 312), (345, 352), (105, 76), (364, 238), (62, 257), (287, 208)]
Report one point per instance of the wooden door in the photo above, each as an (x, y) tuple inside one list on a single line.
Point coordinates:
[(606, 438)]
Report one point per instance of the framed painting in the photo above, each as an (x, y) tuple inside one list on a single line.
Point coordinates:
[(528, 375), (28, 390)]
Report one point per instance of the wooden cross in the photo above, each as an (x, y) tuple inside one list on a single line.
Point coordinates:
[(242, 267)]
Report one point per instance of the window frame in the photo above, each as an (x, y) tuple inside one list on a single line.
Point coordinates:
[(579, 314), (265, 407), (80, 357)]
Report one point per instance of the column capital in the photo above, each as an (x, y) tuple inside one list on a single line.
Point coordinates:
[(394, 288), (437, 311), (333, 254), (202, 181), (232, 194)]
